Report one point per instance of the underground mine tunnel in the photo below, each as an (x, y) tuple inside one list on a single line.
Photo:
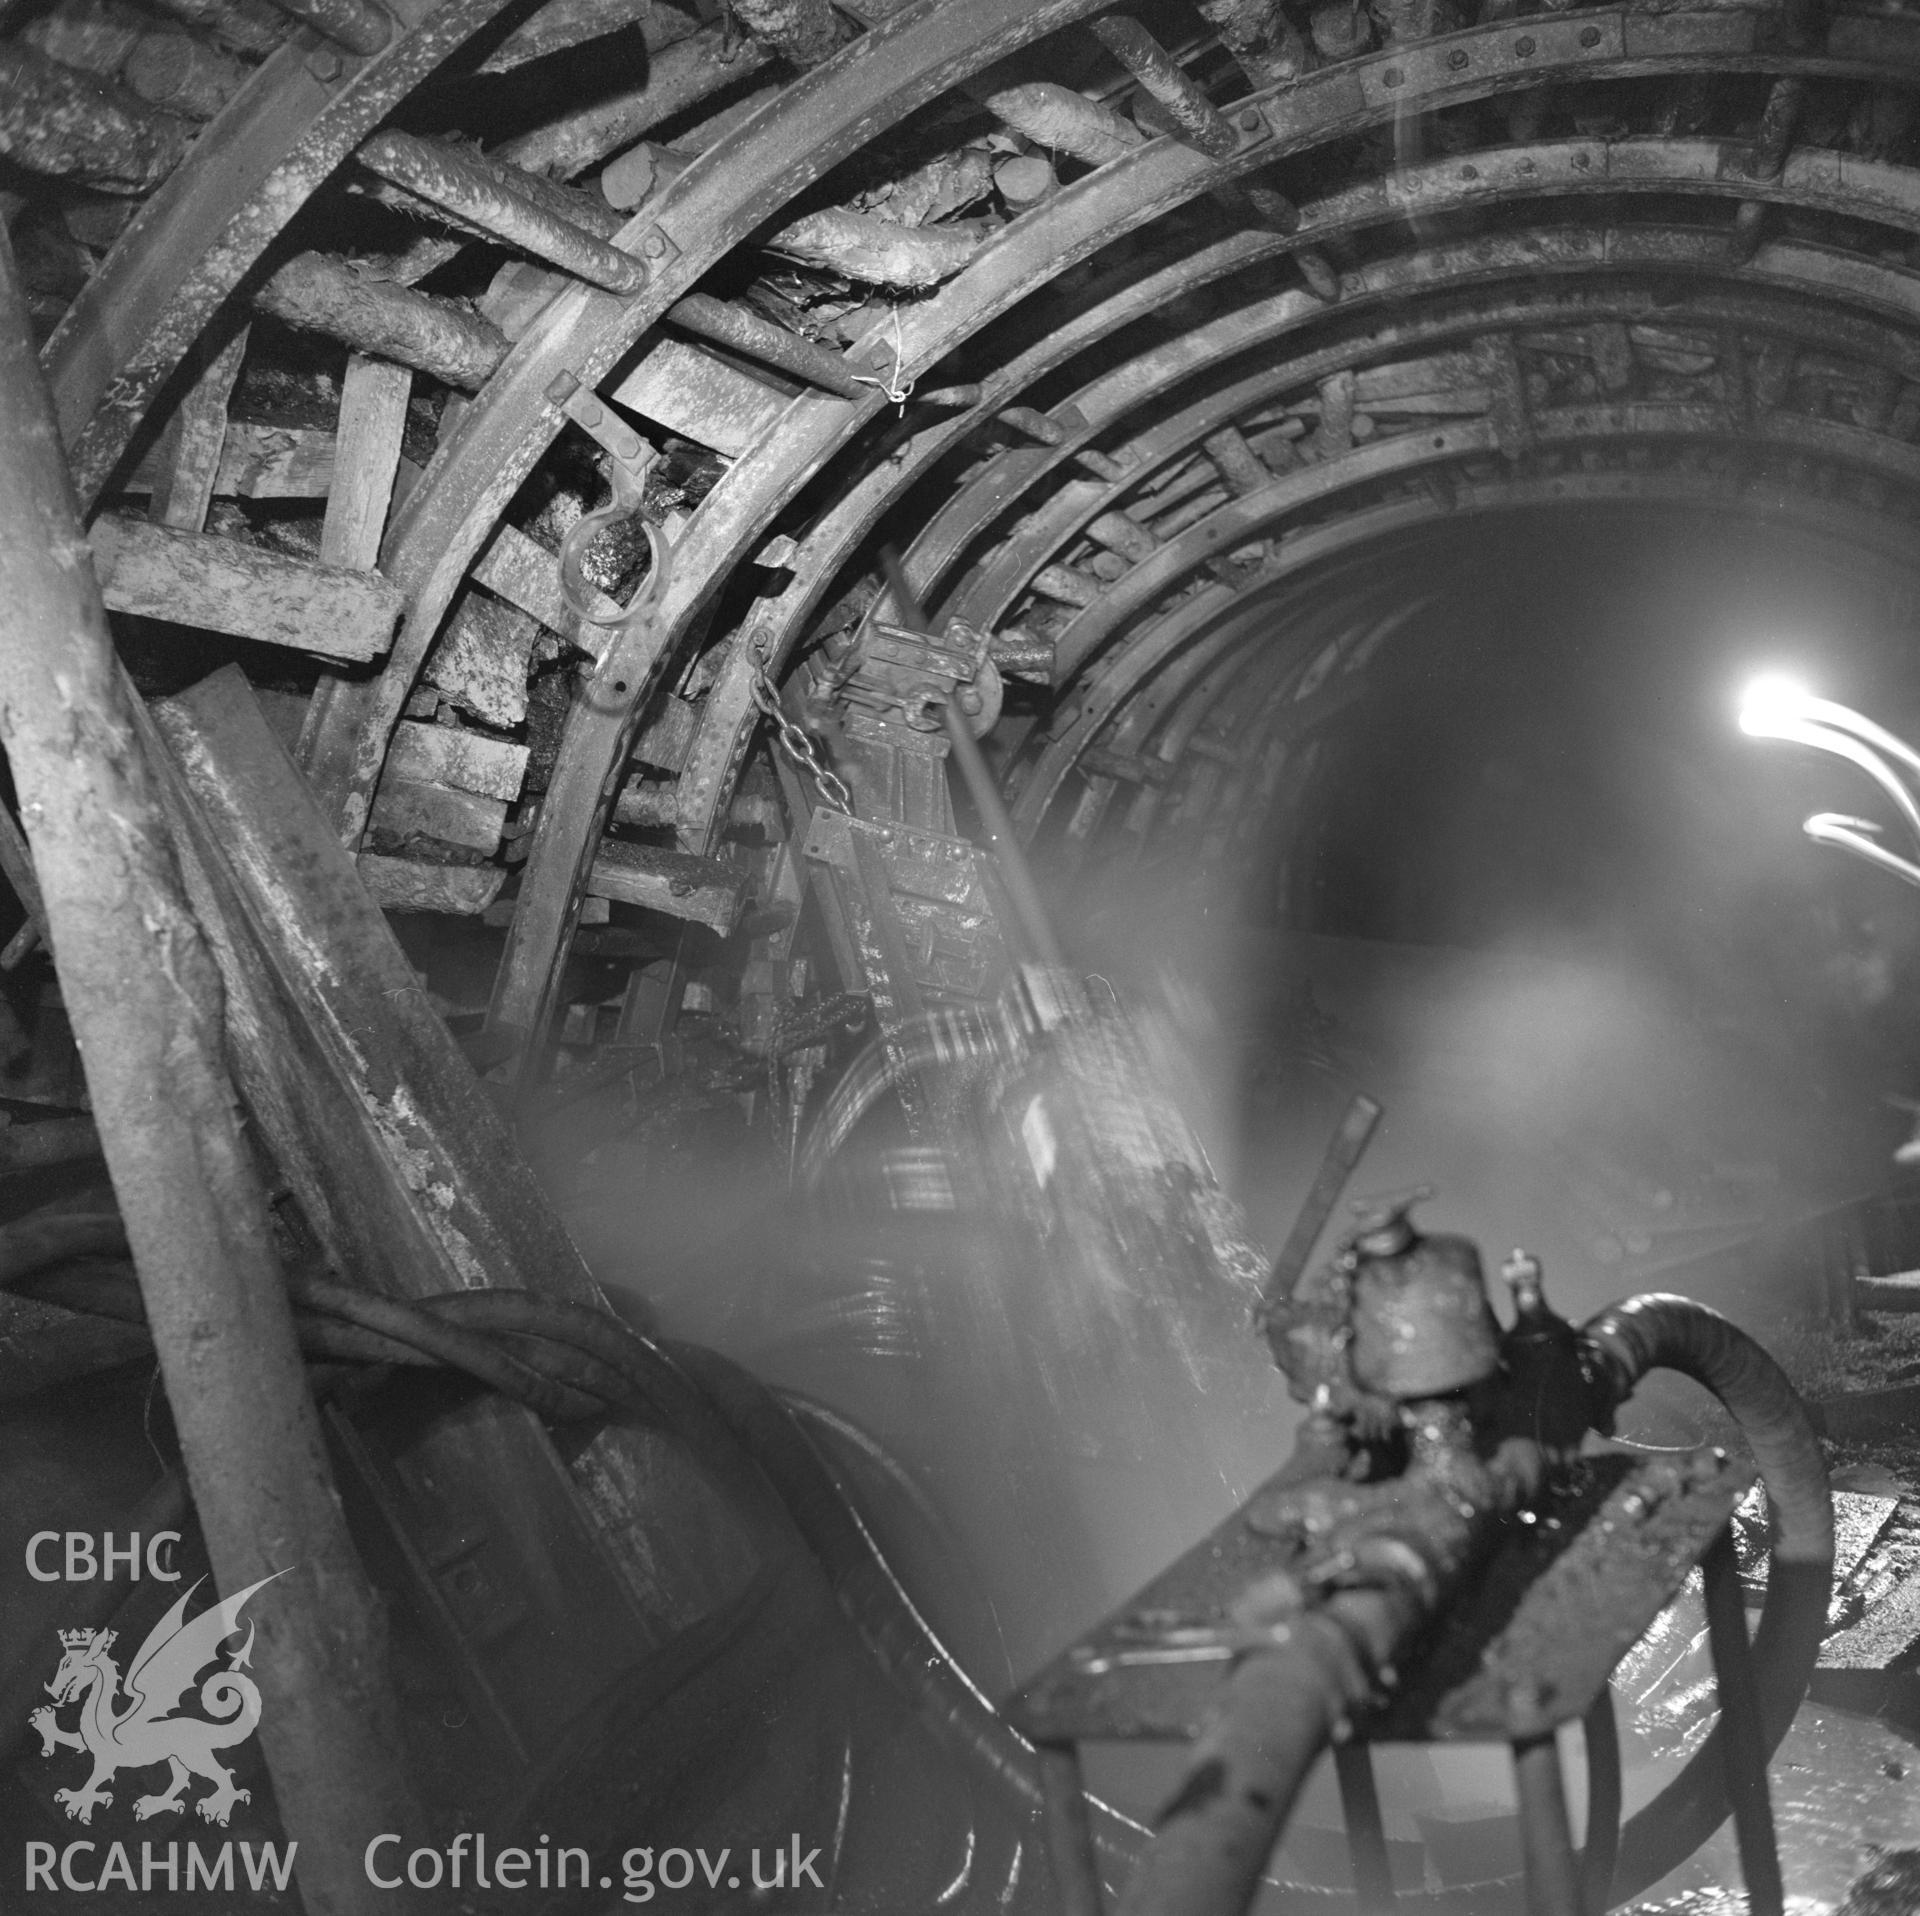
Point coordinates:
[(778, 774)]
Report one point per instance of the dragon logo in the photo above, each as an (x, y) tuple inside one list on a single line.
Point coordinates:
[(138, 1731)]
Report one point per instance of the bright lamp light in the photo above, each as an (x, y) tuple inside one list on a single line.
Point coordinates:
[(1774, 702)]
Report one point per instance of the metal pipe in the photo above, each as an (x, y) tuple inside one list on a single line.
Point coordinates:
[(146, 1005), (488, 197), (1643, 1334), (1271, 1718), (1742, 1738), (1366, 1831), (1076, 1873), (1602, 1848), (1546, 1838), (744, 331)]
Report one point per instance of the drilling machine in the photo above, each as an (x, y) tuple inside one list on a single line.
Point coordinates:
[(638, 1598), (1455, 1552)]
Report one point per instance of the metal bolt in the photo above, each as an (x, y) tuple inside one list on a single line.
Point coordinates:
[(1393, 77), (1581, 161), (1589, 36), (1457, 58), (1469, 172), (653, 245), (1250, 120), (881, 355), (324, 64), (1524, 46)]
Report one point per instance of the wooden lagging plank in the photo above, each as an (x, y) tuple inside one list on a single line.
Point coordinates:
[(448, 755), (525, 574), (679, 884), (407, 884), (259, 461), (404, 808), (221, 585), (373, 418), (255, 461), (190, 449), (702, 396)]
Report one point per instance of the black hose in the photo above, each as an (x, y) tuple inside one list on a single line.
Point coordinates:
[(57, 1237), (458, 1348), (111, 1290), (1659, 1332), (581, 1361), (895, 1634)]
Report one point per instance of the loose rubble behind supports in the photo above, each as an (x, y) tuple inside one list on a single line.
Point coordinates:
[(145, 1002)]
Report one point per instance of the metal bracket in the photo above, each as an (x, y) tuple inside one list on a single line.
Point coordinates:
[(629, 456), (898, 675), (947, 926)]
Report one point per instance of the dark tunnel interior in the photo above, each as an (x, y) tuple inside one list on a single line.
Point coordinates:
[(973, 937)]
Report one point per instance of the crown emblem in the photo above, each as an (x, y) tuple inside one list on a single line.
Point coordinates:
[(79, 1639)]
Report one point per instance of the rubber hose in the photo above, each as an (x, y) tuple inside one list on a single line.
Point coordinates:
[(863, 1583), (57, 1237), (1660, 1332), (459, 1349)]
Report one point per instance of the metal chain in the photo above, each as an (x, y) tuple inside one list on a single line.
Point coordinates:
[(797, 745)]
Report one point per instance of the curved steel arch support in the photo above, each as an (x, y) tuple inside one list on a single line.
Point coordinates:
[(1104, 403), (1253, 514), (1038, 780), (208, 225), (783, 146)]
